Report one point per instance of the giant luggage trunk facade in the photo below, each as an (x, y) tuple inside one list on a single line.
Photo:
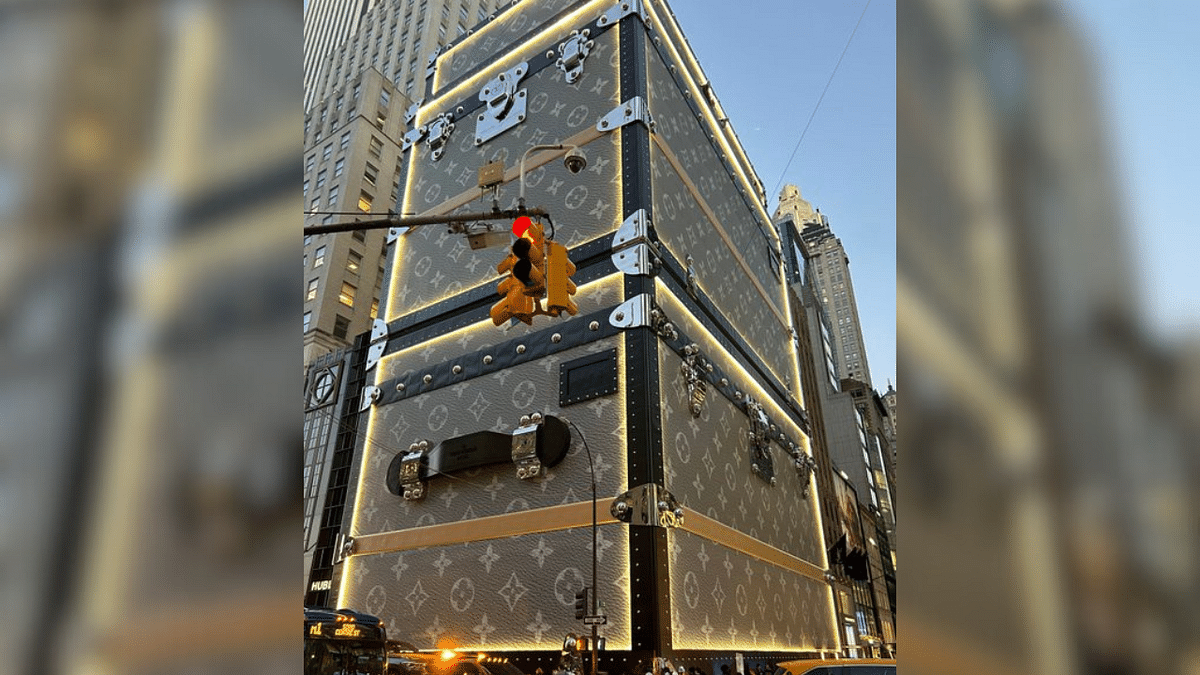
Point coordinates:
[(678, 375)]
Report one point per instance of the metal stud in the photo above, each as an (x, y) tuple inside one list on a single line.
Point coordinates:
[(456, 369), (520, 349), (724, 382), (400, 387), (556, 338), (427, 379), (595, 325), (487, 360)]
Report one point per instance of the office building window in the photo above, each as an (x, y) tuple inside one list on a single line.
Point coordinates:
[(353, 262), (333, 195), (307, 321), (321, 179), (376, 146), (327, 151), (319, 257), (307, 239), (384, 98), (341, 326), (310, 163), (346, 297), (360, 235), (364, 202), (314, 204), (370, 174), (305, 188), (338, 167), (312, 290), (374, 308), (345, 140)]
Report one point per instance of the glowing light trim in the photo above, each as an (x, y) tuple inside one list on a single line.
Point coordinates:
[(476, 81), (486, 326)]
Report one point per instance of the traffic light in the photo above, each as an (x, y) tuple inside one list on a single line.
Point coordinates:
[(530, 264), (559, 287), (581, 603), (515, 304), (526, 266)]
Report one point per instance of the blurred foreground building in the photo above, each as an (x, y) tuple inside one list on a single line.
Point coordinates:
[(1035, 454)]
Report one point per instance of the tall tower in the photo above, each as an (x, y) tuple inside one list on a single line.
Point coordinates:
[(353, 132), (831, 266), (327, 24)]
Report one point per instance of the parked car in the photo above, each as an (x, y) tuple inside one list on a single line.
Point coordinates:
[(837, 667)]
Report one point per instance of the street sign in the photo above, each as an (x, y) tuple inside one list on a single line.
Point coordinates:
[(598, 620)]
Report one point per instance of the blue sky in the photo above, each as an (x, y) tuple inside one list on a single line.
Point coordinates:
[(1146, 58), (768, 61)]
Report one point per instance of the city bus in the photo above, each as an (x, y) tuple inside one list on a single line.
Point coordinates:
[(343, 642)]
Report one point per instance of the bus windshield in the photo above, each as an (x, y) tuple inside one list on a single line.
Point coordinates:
[(343, 657), (343, 642)]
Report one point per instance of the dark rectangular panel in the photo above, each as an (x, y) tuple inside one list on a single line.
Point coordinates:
[(586, 378)]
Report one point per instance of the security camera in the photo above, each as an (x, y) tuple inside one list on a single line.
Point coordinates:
[(575, 161)]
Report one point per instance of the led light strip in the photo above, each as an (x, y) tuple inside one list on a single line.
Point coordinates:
[(534, 521), (701, 525)]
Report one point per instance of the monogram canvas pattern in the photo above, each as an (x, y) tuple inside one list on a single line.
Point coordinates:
[(434, 265), (493, 402), (686, 230), (723, 599), (502, 33), (708, 469), (512, 593)]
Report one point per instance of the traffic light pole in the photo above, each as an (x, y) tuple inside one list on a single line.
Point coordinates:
[(417, 221)]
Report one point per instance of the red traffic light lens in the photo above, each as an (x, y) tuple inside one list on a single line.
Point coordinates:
[(520, 225)]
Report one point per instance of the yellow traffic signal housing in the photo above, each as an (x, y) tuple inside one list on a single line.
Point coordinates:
[(559, 287), (514, 305), (526, 280), (535, 287)]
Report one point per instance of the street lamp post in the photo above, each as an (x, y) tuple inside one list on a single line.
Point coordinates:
[(595, 551)]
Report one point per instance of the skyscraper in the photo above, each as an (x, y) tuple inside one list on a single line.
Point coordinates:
[(327, 25), (353, 133), (836, 292), (397, 38)]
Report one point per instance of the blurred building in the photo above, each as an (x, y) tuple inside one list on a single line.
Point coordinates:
[(831, 267), (1035, 453), (354, 126)]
